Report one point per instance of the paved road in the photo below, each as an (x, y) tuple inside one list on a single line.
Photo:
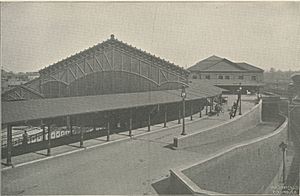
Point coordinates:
[(121, 168)]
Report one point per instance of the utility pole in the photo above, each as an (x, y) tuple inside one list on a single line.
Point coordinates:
[(183, 95), (240, 99)]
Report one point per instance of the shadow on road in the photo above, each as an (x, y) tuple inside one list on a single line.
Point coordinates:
[(162, 187), (170, 146), (39, 153)]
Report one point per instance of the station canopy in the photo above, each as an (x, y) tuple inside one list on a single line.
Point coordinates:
[(20, 111)]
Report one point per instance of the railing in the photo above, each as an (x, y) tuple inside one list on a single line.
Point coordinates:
[(281, 92)]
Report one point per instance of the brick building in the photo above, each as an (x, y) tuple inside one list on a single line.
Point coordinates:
[(227, 74)]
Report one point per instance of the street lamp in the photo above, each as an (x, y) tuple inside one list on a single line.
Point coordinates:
[(183, 95), (283, 147), (240, 99), (290, 91)]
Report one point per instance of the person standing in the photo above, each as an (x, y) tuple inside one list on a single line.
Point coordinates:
[(25, 140)]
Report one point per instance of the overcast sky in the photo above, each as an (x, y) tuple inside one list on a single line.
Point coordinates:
[(35, 35)]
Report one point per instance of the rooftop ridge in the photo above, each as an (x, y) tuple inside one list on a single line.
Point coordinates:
[(113, 41), (152, 55), (214, 64), (206, 60)]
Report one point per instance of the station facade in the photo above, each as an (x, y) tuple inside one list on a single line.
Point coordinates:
[(226, 74)]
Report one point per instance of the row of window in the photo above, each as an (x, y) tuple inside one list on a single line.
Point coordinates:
[(221, 77)]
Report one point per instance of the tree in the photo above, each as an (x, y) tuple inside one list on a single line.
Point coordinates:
[(272, 70)]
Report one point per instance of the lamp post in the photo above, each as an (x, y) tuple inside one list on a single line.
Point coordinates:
[(283, 147), (183, 95), (290, 92), (240, 99)]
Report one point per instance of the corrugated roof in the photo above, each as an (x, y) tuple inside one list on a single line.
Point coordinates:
[(20, 111)]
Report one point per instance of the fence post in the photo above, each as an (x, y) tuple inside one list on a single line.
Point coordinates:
[(130, 123), (149, 121), (191, 110), (49, 141), (69, 126), (81, 137), (9, 145), (107, 128), (200, 112), (165, 119)]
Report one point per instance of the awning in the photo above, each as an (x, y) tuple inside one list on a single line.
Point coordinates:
[(20, 111)]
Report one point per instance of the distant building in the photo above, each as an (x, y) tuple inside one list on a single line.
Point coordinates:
[(11, 79), (296, 87), (32, 75), (228, 75)]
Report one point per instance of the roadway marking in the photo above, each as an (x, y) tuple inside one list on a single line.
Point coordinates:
[(97, 145)]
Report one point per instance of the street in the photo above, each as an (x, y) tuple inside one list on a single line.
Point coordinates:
[(128, 167)]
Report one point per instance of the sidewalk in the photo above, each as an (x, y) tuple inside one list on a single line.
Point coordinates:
[(91, 143), (37, 156)]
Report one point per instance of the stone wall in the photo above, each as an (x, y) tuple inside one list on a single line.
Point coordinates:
[(270, 108)]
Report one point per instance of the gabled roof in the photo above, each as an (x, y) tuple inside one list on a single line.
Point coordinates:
[(206, 63), (213, 58), (215, 63), (249, 67), (115, 42)]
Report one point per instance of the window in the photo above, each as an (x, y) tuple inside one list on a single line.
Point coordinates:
[(253, 77), (207, 77), (220, 77), (227, 77), (194, 76), (241, 77)]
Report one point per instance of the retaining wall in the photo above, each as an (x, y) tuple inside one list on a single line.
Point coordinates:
[(270, 108), (245, 168), (230, 128)]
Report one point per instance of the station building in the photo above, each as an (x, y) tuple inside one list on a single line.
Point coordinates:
[(109, 87), (226, 74)]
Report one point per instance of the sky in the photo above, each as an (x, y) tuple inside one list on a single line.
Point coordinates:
[(264, 34)]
